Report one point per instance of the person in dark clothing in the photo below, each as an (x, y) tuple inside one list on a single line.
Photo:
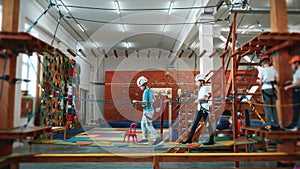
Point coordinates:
[(203, 110)]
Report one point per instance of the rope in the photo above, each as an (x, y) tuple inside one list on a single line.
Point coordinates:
[(141, 9), (58, 23), (254, 16), (3, 75), (143, 24), (37, 20), (274, 105)]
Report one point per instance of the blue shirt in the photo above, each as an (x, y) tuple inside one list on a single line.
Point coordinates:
[(148, 96)]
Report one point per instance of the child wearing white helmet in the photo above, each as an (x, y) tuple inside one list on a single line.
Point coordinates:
[(148, 112), (203, 109)]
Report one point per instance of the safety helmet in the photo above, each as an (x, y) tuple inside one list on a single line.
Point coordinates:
[(141, 80), (200, 77), (264, 57), (294, 59)]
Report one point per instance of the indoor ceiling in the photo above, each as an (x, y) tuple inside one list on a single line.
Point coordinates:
[(147, 24)]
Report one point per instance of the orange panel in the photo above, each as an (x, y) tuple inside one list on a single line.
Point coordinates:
[(121, 89)]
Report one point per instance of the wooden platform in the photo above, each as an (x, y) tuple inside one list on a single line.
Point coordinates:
[(156, 159), (277, 135), (272, 41), (23, 42), (19, 133)]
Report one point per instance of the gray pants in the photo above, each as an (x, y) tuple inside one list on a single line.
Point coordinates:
[(269, 97), (146, 124)]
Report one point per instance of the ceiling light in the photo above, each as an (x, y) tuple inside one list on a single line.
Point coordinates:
[(123, 27), (80, 27), (127, 45), (171, 7), (94, 45), (117, 6)]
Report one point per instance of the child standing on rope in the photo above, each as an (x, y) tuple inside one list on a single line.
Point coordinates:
[(268, 77), (148, 112), (203, 110), (295, 85)]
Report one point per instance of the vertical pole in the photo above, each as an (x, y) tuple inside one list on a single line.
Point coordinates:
[(170, 119), (279, 24), (156, 162), (10, 23), (234, 87), (162, 125)]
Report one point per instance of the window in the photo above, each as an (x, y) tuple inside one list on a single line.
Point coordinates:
[(29, 72)]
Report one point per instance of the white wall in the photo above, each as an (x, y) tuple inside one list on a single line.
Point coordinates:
[(29, 12)]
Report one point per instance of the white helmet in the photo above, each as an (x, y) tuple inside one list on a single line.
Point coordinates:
[(141, 80), (200, 77)]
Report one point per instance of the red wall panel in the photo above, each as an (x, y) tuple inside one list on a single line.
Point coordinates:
[(121, 89)]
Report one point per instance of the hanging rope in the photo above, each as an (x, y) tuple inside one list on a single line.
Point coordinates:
[(254, 16), (37, 20), (4, 77), (56, 28)]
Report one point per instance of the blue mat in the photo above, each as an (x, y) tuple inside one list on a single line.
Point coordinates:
[(75, 139)]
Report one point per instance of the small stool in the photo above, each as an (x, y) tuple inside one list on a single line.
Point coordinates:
[(131, 133)]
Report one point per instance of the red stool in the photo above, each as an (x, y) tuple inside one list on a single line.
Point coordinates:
[(131, 133)]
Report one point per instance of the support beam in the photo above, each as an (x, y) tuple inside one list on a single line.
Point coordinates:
[(116, 53), (10, 23), (10, 9), (104, 53), (279, 24)]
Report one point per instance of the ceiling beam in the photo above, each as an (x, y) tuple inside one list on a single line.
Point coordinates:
[(264, 11)]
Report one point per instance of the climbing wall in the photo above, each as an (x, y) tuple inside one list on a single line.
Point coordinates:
[(121, 89), (60, 87)]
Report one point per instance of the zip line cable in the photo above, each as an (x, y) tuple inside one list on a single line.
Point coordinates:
[(143, 24), (140, 9)]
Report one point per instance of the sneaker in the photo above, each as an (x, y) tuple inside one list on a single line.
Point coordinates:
[(158, 141), (291, 128), (209, 143), (275, 127), (144, 141)]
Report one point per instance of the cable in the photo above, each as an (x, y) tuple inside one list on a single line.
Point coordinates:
[(143, 24), (6, 56), (37, 20), (58, 23), (141, 9), (254, 16)]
